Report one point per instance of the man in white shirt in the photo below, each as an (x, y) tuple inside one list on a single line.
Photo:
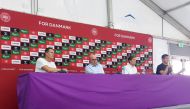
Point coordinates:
[(94, 67), (46, 64), (130, 67)]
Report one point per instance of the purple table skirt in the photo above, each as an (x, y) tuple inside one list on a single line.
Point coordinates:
[(85, 91)]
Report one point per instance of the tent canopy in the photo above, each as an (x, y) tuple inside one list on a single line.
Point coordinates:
[(176, 12)]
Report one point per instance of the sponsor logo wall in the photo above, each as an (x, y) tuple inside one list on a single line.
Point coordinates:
[(24, 38)]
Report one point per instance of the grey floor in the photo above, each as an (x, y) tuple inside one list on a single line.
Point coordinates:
[(185, 106)]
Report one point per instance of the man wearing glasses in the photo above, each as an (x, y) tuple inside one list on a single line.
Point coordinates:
[(94, 67), (46, 64)]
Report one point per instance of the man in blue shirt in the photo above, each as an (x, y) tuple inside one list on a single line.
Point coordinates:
[(94, 67), (164, 68)]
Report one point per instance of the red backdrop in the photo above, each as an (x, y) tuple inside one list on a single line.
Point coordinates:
[(22, 43)]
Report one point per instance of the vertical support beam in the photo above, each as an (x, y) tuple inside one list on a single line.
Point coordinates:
[(36, 10), (162, 27), (110, 13), (34, 7)]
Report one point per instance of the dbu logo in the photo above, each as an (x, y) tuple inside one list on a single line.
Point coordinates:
[(5, 17)]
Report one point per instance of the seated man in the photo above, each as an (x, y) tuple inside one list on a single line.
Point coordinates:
[(164, 68), (130, 67), (94, 67), (46, 64)]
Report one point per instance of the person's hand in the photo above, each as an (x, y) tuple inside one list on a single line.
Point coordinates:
[(64, 69), (58, 70), (169, 66)]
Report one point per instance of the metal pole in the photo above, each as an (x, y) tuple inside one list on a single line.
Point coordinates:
[(34, 7), (110, 14)]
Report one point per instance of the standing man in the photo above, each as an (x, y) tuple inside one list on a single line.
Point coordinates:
[(94, 67), (130, 67), (164, 68), (46, 64)]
